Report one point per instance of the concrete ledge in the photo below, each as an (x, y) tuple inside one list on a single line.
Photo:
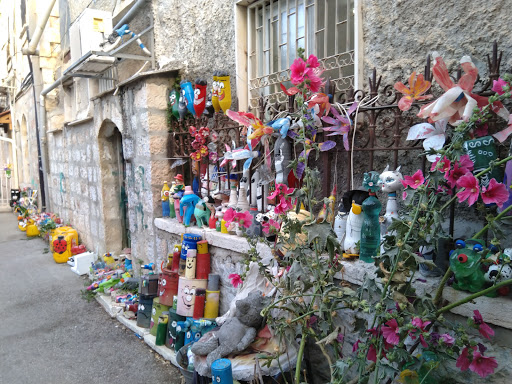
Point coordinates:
[(132, 325), (107, 304), (215, 239), (494, 310)]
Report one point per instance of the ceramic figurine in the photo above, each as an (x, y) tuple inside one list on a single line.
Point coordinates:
[(200, 96), (165, 200), (465, 262), (353, 199), (370, 230), (498, 273), (242, 203), (172, 209), (179, 190), (224, 90), (340, 223), (202, 214), (282, 158), (391, 183), (233, 198), (215, 92), (210, 204), (187, 205)]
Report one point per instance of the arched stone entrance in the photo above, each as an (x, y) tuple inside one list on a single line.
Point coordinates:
[(113, 191)]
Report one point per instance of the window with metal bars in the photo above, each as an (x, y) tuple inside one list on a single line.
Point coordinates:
[(277, 28)]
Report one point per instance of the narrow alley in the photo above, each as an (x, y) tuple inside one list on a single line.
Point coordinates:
[(50, 334)]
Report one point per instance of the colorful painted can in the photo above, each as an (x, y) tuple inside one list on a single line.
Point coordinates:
[(211, 306), (161, 328), (186, 295), (156, 311), (203, 265), (173, 339), (168, 286), (199, 303), (144, 311), (202, 246), (190, 266), (221, 372)]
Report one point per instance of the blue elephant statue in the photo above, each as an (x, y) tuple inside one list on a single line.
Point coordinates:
[(189, 201)]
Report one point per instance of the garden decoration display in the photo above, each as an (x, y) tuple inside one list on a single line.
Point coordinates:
[(199, 144), (433, 137), (466, 264), (224, 90), (370, 229), (200, 96), (210, 204), (187, 205), (391, 182), (173, 102), (353, 199), (165, 200), (237, 332)]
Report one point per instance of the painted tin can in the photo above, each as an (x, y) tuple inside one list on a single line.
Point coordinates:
[(156, 311), (203, 265), (221, 372), (173, 339), (168, 286), (144, 311), (186, 295)]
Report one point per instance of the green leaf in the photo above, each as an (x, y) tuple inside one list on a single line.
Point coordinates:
[(319, 232)]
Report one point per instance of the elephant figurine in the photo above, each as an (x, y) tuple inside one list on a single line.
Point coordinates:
[(187, 205), (202, 214)]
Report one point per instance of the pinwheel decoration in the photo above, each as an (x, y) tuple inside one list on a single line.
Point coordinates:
[(340, 125)]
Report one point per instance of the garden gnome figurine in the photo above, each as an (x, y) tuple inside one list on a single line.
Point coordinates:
[(391, 183)]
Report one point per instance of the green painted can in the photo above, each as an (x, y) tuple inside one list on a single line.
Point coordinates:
[(174, 340), (156, 311)]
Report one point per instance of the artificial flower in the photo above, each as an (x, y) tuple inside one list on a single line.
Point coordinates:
[(322, 101), (244, 218), (447, 339), (391, 332), (442, 165), (483, 328), (434, 136), (256, 128), (298, 71), (414, 181), (290, 91), (502, 135), (463, 360), (482, 365), (285, 203), (270, 227), (417, 87), (497, 86), (313, 62), (282, 125), (471, 189), (458, 101), (196, 156), (203, 151), (214, 156), (236, 280), (495, 193), (340, 125), (301, 166)]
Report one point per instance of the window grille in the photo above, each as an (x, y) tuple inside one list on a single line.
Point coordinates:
[(277, 28)]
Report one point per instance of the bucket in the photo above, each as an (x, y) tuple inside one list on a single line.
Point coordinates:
[(168, 286), (182, 360), (144, 311)]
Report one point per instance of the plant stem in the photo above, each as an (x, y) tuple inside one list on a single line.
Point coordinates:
[(299, 357), (439, 291), (474, 296), (484, 229)]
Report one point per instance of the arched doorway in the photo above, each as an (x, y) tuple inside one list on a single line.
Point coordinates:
[(112, 166)]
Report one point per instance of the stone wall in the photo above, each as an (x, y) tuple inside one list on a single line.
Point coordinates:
[(399, 34)]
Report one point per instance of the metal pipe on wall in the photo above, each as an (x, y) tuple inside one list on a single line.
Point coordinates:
[(32, 45)]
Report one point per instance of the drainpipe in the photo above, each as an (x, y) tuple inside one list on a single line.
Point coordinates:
[(130, 14), (31, 50)]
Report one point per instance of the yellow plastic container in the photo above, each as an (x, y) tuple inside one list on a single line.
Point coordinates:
[(62, 243), (54, 233), (32, 230), (22, 226)]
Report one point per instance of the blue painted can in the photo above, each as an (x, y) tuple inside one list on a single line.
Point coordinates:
[(221, 372), (189, 242)]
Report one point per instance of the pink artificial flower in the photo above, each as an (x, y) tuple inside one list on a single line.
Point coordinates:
[(391, 332), (229, 216), (284, 204), (244, 218), (236, 280), (462, 361), (313, 62), (442, 165), (448, 340), (270, 227), (471, 189), (483, 328), (497, 86), (414, 181), (315, 82), (482, 365), (298, 71), (495, 193)]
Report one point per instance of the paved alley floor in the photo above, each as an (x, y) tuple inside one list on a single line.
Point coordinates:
[(50, 335)]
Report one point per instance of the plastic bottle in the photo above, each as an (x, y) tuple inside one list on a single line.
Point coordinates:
[(370, 231)]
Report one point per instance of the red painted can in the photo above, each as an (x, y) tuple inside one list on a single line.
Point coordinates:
[(202, 266), (176, 261), (199, 303), (168, 286), (132, 307)]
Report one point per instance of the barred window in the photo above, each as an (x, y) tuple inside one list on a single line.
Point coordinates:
[(277, 28)]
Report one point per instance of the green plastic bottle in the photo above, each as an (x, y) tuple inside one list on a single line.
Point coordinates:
[(370, 231)]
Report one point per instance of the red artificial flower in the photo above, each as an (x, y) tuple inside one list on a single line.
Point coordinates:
[(391, 332), (236, 280), (483, 328), (462, 361), (495, 193), (482, 365), (298, 71), (471, 189), (497, 86), (414, 181), (442, 165), (290, 91)]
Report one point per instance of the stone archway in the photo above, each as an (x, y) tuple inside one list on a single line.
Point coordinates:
[(113, 192)]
